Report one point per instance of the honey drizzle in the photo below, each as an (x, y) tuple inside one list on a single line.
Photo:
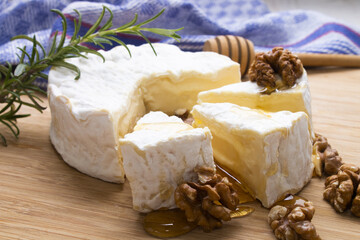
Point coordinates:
[(244, 195)]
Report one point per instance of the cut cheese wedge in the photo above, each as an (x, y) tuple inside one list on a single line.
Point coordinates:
[(248, 94), (160, 154), (89, 115), (269, 152)]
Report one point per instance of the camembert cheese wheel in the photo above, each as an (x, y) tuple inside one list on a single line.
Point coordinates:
[(91, 114)]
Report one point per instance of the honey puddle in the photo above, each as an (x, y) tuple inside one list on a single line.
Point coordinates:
[(292, 200), (241, 211), (167, 223), (173, 223)]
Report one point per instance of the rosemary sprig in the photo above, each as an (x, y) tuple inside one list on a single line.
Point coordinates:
[(18, 82)]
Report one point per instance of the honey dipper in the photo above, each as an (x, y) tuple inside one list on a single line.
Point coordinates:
[(241, 50)]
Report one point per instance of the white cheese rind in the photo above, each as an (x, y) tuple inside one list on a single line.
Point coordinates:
[(159, 155), (121, 90), (72, 139), (269, 152)]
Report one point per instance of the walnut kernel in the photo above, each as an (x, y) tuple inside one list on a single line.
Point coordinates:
[(327, 158), (339, 188), (355, 206), (293, 222), (280, 61), (207, 202)]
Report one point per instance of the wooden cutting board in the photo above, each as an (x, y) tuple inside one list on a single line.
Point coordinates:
[(41, 197)]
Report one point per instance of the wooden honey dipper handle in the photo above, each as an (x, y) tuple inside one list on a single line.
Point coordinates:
[(320, 60), (241, 50)]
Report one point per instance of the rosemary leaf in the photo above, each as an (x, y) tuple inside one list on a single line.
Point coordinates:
[(20, 69)]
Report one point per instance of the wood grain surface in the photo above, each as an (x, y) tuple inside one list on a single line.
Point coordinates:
[(41, 197)]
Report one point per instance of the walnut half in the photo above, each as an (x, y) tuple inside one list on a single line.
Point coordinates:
[(293, 222), (327, 158), (355, 206), (207, 202), (341, 188), (281, 61)]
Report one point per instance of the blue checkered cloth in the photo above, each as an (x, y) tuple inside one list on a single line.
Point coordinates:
[(297, 30)]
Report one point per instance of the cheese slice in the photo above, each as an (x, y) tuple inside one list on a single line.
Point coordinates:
[(248, 94), (89, 115), (269, 152), (160, 154)]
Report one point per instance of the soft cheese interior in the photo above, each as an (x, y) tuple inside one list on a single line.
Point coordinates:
[(90, 115), (269, 152), (248, 94), (160, 154)]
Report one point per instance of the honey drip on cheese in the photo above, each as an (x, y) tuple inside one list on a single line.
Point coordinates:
[(244, 195), (292, 201), (167, 223)]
